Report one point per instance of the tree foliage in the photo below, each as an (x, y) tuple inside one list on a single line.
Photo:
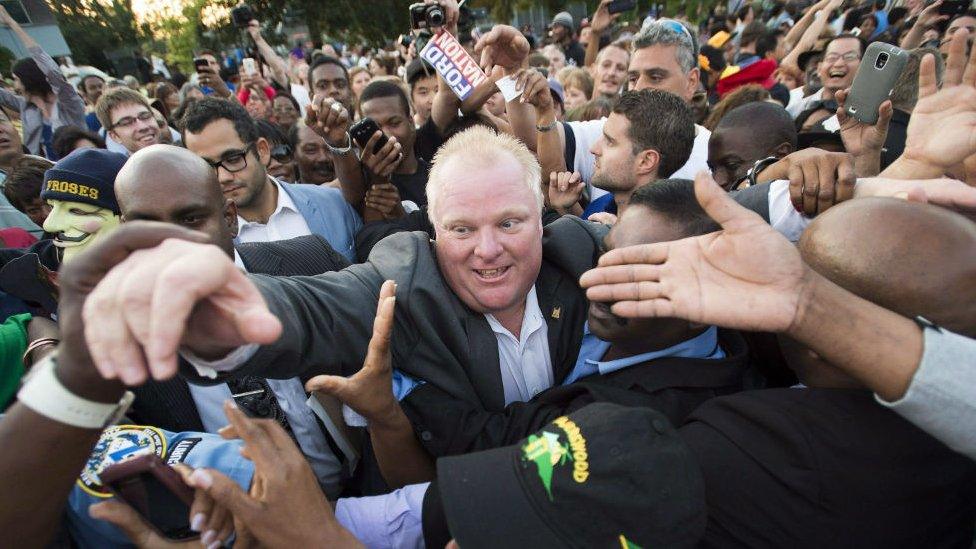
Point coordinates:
[(93, 28)]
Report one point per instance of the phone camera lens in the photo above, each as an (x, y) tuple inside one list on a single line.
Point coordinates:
[(881, 61)]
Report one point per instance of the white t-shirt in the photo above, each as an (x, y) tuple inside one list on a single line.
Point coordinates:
[(587, 133), (798, 105)]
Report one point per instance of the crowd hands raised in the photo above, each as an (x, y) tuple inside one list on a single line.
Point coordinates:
[(665, 290)]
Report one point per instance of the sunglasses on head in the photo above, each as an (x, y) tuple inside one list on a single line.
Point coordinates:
[(282, 153)]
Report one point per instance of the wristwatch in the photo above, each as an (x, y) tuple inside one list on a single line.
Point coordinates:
[(547, 127), (341, 151), (755, 170), (44, 394)]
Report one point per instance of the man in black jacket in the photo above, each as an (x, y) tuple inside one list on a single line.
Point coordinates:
[(667, 364), (464, 298)]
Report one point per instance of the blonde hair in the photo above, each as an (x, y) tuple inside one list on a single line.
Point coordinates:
[(575, 77), (480, 147)]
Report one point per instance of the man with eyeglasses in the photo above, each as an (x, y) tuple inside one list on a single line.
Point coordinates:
[(840, 62), (128, 120), (222, 133)]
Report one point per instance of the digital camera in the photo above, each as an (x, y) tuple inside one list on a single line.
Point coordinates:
[(426, 16)]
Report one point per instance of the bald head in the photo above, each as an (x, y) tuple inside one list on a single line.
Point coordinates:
[(173, 185), (168, 167), (913, 259)]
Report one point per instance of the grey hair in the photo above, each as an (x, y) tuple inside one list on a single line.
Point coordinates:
[(655, 33)]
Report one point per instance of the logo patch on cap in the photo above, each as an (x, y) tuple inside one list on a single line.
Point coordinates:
[(627, 544), (548, 453), (118, 444)]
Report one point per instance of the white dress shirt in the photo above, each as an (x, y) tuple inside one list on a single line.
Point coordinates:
[(291, 397), (524, 361), (285, 222)]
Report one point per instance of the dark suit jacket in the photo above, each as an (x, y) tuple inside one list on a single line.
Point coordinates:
[(826, 468), (673, 386), (168, 404), (328, 319)]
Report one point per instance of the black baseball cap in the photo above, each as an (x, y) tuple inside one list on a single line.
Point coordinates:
[(605, 475)]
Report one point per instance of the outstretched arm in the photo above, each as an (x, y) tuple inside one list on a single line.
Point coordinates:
[(279, 68), (749, 277)]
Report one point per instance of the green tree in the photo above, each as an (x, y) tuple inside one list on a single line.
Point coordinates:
[(92, 28)]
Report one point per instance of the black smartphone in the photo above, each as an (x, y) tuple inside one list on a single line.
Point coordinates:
[(618, 6), (363, 130), (156, 491), (242, 16), (953, 8), (201, 63)]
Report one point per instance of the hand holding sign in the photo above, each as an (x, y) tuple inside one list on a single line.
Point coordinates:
[(453, 63), (504, 46)]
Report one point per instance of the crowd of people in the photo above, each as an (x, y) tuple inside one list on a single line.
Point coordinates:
[(650, 284)]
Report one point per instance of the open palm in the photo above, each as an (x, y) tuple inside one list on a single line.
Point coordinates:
[(942, 130), (746, 276)]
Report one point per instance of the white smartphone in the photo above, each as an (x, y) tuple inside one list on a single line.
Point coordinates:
[(249, 66)]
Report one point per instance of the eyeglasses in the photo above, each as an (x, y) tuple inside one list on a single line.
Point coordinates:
[(847, 57), (282, 153), (144, 116), (233, 161), (286, 108)]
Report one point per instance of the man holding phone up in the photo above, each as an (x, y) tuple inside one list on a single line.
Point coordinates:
[(208, 75)]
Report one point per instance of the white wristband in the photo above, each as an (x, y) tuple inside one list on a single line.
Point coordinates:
[(45, 394)]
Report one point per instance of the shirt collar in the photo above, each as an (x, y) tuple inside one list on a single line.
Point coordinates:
[(704, 345), (531, 319), (284, 203)]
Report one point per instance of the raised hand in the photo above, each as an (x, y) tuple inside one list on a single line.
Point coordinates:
[(370, 390), (602, 18), (565, 189), (942, 131), (328, 118), (535, 90), (254, 29), (746, 276), (150, 288), (502, 45), (285, 508), (864, 141), (930, 16), (382, 162)]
